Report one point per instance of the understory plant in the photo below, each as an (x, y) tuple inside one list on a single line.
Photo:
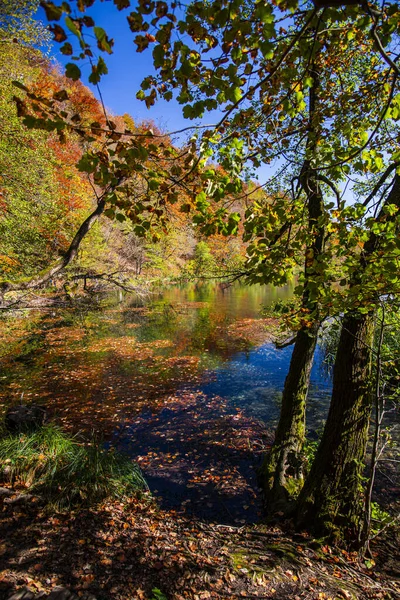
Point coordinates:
[(66, 472)]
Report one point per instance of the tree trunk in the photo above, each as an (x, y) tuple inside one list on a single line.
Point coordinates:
[(282, 470), (331, 499), (281, 474), (47, 274)]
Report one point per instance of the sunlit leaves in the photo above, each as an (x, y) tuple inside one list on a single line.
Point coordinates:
[(73, 26), (44, 192), (103, 41), (257, 65)]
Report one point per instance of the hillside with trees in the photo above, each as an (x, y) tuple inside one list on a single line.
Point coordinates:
[(46, 196)]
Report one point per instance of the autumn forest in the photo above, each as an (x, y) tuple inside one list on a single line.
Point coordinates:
[(199, 299)]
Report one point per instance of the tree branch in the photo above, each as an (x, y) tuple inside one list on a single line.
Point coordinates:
[(36, 281), (381, 181)]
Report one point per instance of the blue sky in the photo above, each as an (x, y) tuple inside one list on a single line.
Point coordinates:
[(127, 68)]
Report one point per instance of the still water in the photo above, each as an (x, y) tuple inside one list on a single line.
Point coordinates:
[(102, 366), (253, 378)]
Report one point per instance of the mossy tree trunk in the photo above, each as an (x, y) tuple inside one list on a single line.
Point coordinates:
[(284, 462), (282, 467), (332, 499)]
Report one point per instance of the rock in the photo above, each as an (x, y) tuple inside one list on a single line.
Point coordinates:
[(62, 593), (23, 594), (25, 417)]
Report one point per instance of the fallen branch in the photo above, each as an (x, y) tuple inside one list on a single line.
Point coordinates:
[(110, 278)]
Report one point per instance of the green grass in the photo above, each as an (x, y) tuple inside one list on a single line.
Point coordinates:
[(66, 472)]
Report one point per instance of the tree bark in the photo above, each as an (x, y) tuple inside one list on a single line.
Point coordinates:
[(282, 473), (282, 470), (332, 500)]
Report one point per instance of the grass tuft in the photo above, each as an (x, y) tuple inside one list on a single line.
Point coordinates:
[(65, 472)]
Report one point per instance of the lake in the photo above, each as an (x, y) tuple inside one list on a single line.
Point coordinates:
[(187, 381)]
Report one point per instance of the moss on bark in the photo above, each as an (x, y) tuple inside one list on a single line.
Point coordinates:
[(284, 464), (331, 501)]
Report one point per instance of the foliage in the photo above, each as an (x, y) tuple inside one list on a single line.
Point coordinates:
[(389, 368), (65, 471), (43, 196), (157, 594), (317, 90), (389, 374), (203, 262), (260, 67), (17, 21), (379, 518), (309, 450)]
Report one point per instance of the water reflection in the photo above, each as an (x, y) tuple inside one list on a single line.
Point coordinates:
[(88, 363), (254, 380)]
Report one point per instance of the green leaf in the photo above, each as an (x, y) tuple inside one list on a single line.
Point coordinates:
[(158, 56), (121, 4), (87, 164), (308, 82), (103, 42), (153, 184), (53, 12), (97, 71), (141, 42), (66, 49), (73, 71), (70, 23), (188, 111), (235, 94), (264, 12)]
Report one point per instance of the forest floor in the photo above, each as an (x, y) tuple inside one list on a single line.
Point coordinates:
[(123, 551), (199, 536)]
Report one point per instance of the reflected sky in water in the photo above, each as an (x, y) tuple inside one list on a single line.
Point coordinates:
[(94, 364), (254, 380)]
